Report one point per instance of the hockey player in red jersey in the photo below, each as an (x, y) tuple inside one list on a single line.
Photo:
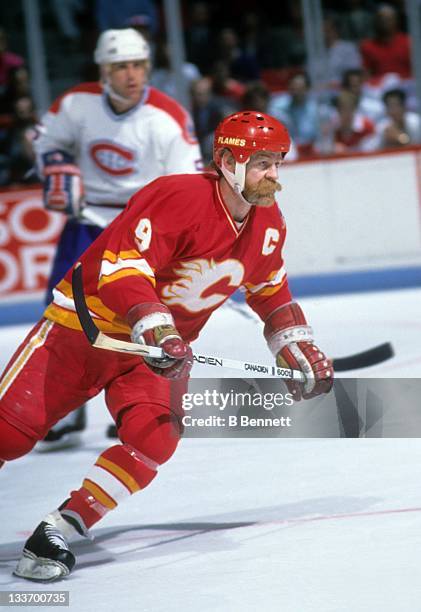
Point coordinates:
[(155, 275), (98, 144)]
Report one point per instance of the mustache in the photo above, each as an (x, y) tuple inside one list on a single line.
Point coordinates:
[(264, 187), (269, 185)]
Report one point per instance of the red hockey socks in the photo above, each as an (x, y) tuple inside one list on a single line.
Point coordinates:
[(118, 472), (150, 436)]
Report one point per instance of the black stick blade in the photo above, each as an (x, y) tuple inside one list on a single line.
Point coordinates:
[(365, 359), (88, 326)]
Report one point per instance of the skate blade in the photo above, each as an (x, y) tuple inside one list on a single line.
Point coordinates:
[(70, 440), (40, 569)]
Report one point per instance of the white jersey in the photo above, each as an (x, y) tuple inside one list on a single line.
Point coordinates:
[(119, 153)]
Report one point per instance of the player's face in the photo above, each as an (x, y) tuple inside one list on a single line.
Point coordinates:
[(128, 79), (262, 178)]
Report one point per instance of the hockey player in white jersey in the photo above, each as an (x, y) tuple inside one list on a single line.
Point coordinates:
[(97, 145)]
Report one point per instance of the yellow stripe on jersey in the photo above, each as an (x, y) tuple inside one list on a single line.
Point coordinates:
[(100, 310), (119, 473), (71, 320), (137, 262), (99, 494), (114, 276), (34, 343), (266, 292), (274, 283), (62, 310), (114, 257), (63, 297), (123, 264)]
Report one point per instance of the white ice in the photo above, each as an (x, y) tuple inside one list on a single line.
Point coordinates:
[(298, 525)]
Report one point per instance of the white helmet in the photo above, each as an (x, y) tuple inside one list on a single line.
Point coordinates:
[(121, 46)]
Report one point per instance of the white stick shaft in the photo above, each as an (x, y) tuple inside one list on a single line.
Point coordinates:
[(121, 346), (106, 342), (249, 367), (90, 215)]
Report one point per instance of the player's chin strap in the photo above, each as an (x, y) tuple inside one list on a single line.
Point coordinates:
[(236, 179), (113, 94), (109, 90), (105, 68)]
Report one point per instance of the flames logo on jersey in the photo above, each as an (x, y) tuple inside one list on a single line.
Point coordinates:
[(196, 279), (112, 158)]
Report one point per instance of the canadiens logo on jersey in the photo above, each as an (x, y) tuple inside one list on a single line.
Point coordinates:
[(197, 289), (113, 158)]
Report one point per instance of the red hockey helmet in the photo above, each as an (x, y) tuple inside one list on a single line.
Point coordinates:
[(247, 132)]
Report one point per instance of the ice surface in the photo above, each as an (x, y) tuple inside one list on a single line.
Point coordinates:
[(298, 525)]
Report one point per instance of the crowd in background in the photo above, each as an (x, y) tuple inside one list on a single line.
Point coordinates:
[(17, 117), (242, 56)]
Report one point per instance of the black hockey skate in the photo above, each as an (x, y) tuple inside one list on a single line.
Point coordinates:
[(46, 555)]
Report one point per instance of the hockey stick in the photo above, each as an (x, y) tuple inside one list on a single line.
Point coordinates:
[(90, 215), (373, 356), (370, 357), (365, 359), (100, 340)]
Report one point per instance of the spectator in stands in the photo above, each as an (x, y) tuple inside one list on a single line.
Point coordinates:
[(224, 86), (163, 78), (389, 49), (8, 61), (300, 112), (18, 87), (5, 123), (252, 34), (400, 127), (17, 146), (353, 81), (352, 131), (283, 46), (242, 65), (207, 110), (341, 54), (200, 36), (256, 97), (357, 20)]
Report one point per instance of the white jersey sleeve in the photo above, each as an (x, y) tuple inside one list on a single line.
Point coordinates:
[(118, 154), (59, 127), (174, 127), (182, 157)]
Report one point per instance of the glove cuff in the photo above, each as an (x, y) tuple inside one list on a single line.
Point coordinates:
[(149, 315), (287, 315), (152, 323), (284, 337), (285, 325), (61, 169)]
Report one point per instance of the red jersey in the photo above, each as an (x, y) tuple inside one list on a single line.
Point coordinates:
[(362, 129), (394, 56), (176, 242)]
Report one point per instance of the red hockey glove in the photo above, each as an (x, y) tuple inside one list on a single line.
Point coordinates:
[(63, 188), (153, 324), (291, 341)]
